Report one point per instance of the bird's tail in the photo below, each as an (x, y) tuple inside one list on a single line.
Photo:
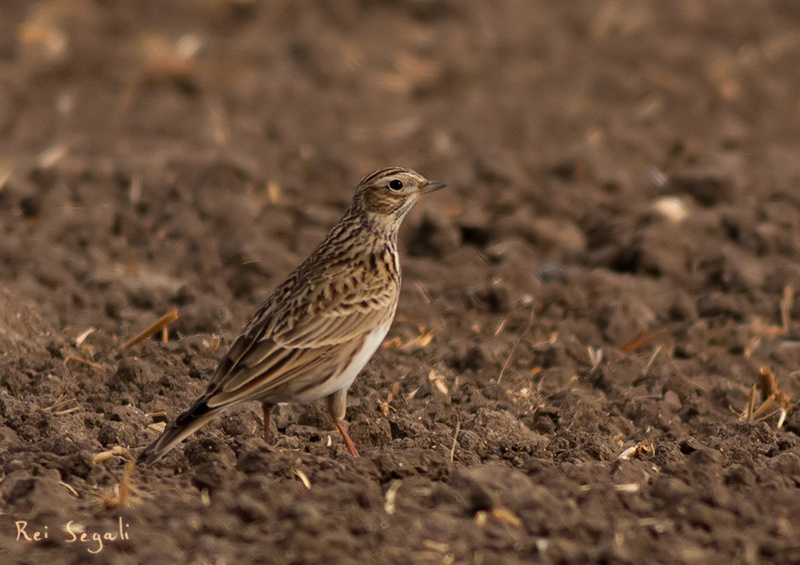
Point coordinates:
[(184, 425)]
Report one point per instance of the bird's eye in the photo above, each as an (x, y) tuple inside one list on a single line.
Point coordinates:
[(396, 184)]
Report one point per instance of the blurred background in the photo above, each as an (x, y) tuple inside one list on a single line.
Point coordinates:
[(575, 113)]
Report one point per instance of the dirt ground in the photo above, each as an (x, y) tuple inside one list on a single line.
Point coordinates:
[(614, 260)]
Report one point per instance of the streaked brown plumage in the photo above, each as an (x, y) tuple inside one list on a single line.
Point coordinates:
[(316, 331)]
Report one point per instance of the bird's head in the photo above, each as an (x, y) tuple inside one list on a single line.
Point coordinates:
[(389, 194)]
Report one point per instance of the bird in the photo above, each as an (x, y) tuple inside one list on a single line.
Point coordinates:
[(316, 331)]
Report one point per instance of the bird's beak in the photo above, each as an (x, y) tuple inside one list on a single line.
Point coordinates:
[(431, 186)]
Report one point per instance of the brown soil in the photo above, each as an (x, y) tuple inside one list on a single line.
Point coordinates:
[(555, 310)]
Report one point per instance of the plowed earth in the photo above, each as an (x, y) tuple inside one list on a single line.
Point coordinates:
[(614, 260)]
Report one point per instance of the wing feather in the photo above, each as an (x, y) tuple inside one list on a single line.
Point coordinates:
[(308, 344), (305, 367), (342, 325)]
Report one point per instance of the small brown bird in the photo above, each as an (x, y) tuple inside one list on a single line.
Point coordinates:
[(317, 330)]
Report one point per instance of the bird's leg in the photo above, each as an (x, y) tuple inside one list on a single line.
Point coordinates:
[(351, 447), (337, 406), (267, 408)]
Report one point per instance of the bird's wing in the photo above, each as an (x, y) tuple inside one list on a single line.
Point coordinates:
[(305, 338)]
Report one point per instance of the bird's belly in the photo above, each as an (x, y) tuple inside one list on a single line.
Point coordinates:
[(349, 374)]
